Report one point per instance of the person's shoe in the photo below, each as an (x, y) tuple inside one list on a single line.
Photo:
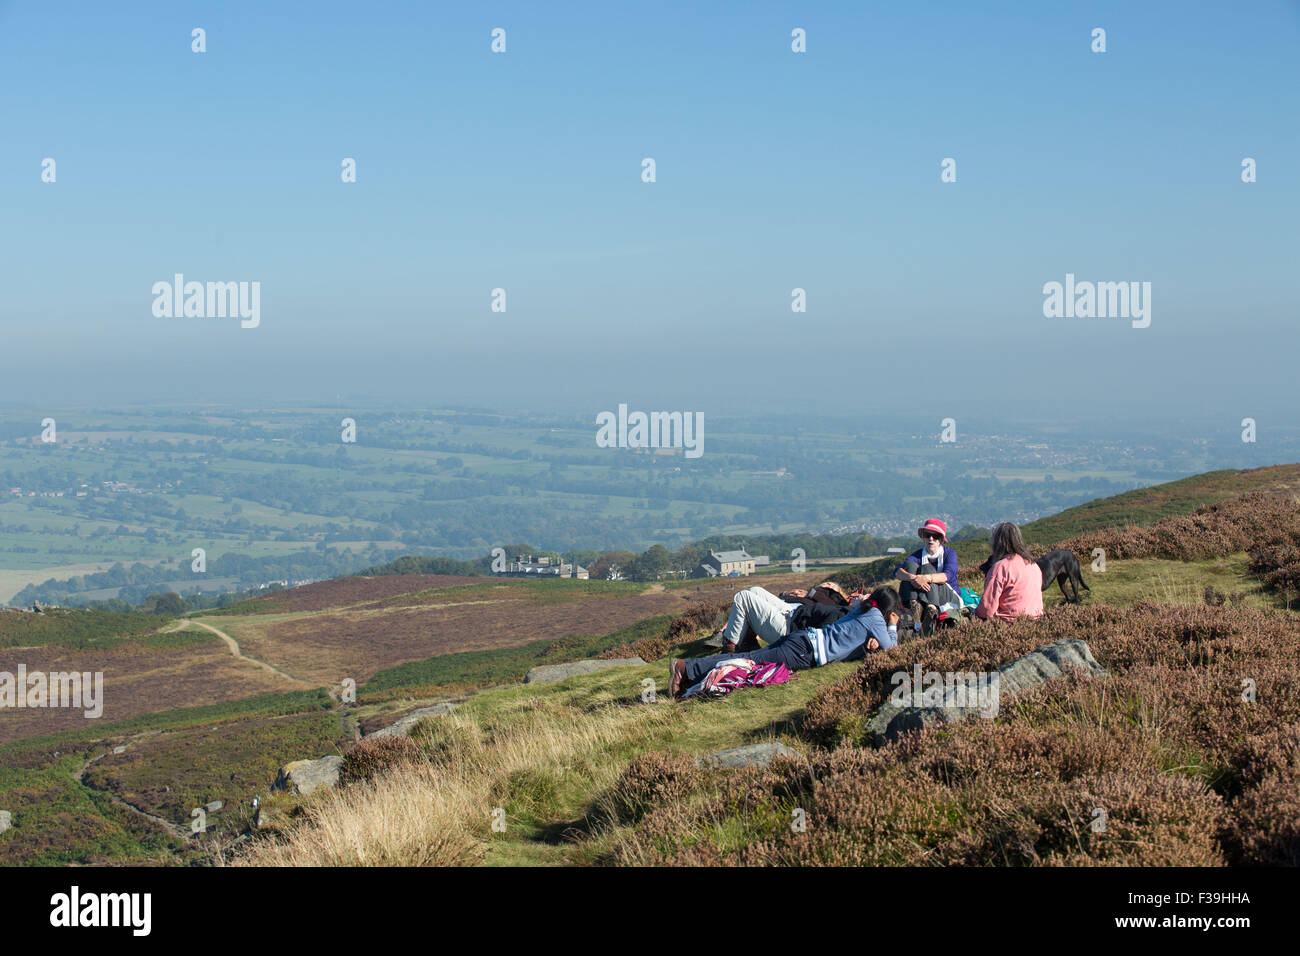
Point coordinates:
[(929, 620), (915, 615), (676, 674), (747, 643), (729, 647)]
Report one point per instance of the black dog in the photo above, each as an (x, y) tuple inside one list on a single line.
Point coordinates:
[(1060, 566)]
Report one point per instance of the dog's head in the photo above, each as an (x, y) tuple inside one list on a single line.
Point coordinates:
[(988, 564)]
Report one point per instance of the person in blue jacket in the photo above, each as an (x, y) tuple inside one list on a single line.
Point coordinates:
[(929, 578), (872, 627)]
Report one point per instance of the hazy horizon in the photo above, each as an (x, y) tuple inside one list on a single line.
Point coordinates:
[(775, 171)]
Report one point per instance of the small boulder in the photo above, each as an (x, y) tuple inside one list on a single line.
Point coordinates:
[(269, 818), (6, 820), (403, 726), (751, 755), (1047, 663), (553, 673), (120, 749), (304, 776)]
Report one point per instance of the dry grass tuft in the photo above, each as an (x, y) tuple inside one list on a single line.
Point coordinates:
[(438, 811)]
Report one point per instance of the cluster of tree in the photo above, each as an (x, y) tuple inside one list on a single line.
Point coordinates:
[(658, 562), (170, 603), (174, 604), (425, 564), (136, 583)]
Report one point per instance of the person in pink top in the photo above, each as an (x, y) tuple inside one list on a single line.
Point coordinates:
[(1013, 586)]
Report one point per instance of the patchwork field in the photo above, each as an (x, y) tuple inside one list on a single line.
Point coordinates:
[(274, 494)]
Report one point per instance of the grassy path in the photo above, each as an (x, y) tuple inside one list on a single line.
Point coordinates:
[(334, 691), (231, 643)]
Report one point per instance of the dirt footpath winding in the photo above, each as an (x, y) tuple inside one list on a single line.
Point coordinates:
[(234, 649), (80, 777)]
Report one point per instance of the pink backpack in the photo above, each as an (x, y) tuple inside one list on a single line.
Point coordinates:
[(741, 672), (765, 675)]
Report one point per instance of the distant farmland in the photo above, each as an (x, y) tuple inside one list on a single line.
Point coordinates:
[(276, 494)]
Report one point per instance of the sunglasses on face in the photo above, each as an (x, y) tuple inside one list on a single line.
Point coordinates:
[(929, 536)]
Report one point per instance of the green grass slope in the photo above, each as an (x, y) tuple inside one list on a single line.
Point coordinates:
[(1146, 506)]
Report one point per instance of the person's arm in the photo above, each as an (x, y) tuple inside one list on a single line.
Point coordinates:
[(950, 569), (920, 580), (928, 579), (997, 580), (878, 632)]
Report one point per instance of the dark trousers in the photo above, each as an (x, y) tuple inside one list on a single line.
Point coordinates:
[(815, 615), (938, 594), (794, 651)]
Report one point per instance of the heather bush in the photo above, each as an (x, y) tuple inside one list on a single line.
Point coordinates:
[(1277, 562), (372, 756), (1189, 749), (982, 795), (1266, 828), (651, 778), (1232, 644), (1214, 531)]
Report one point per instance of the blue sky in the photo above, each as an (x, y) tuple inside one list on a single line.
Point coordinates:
[(775, 170)]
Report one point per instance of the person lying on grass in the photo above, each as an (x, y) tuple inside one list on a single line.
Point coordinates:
[(871, 627), (758, 612), (828, 592)]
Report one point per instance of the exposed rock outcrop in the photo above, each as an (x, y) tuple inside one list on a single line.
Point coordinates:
[(984, 696), (304, 776), (403, 726), (751, 755)]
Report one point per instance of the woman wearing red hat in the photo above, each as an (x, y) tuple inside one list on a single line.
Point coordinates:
[(929, 577)]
